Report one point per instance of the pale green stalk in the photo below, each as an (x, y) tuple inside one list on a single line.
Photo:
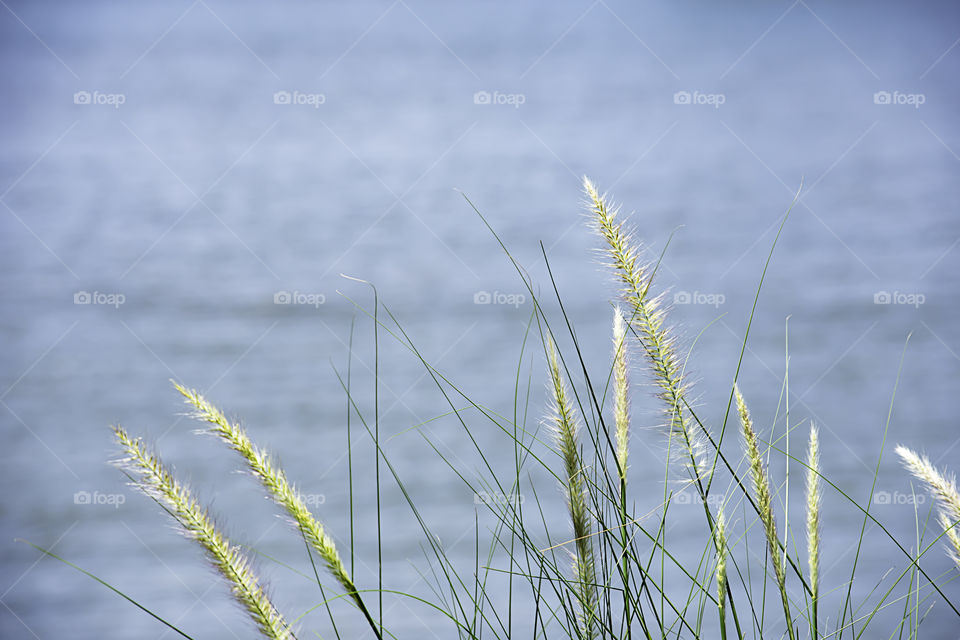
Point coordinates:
[(944, 489), (565, 432), (275, 481), (154, 479), (764, 497), (647, 318), (813, 521)]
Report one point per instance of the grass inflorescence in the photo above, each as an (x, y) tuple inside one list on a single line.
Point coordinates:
[(153, 478), (943, 487)]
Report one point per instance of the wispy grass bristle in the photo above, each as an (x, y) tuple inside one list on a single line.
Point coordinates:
[(154, 479), (944, 489), (565, 427)]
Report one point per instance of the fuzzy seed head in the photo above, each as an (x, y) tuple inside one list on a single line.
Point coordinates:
[(621, 398), (565, 429), (275, 482), (720, 535), (155, 480), (647, 319), (944, 489), (762, 493), (813, 509)]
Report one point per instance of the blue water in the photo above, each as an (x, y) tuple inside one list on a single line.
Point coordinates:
[(186, 185)]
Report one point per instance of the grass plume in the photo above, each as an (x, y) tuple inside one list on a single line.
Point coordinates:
[(154, 479), (275, 482), (621, 392), (565, 428), (813, 520), (944, 489), (720, 538), (647, 317), (764, 498)]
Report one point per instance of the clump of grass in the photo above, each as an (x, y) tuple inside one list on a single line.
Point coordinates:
[(625, 573), (943, 487), (155, 480)]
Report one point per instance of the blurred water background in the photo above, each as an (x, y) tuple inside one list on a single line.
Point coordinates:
[(200, 158)]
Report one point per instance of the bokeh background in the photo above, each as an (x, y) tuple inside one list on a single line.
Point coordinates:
[(182, 185)]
